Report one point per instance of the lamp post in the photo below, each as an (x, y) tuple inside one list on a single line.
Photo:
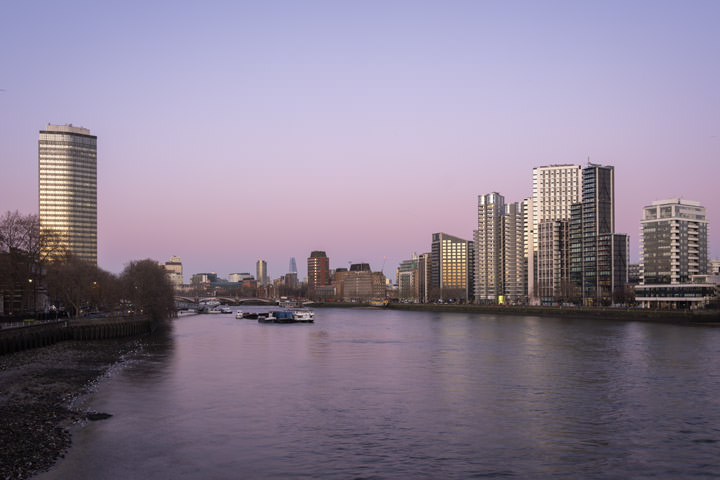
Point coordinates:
[(34, 306)]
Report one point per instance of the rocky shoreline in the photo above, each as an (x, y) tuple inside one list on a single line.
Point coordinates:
[(39, 389)]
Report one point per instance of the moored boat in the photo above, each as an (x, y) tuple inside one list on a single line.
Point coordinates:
[(277, 316), (287, 316), (379, 303), (304, 316)]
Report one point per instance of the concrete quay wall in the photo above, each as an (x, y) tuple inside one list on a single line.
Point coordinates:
[(34, 336)]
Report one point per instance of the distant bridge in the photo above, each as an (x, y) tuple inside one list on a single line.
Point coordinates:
[(196, 300)]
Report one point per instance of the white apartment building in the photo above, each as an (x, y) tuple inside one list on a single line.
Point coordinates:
[(488, 239), (555, 189)]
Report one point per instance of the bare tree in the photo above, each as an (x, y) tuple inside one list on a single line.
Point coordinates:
[(146, 284), (25, 250), (70, 281)]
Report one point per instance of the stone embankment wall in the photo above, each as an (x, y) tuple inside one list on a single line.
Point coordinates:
[(33, 336)]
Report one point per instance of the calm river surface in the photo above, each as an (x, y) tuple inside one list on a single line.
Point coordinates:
[(365, 394)]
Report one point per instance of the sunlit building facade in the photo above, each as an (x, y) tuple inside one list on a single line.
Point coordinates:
[(451, 269), (318, 269), (67, 159), (514, 256), (555, 189), (488, 240), (261, 272), (500, 250), (174, 270)]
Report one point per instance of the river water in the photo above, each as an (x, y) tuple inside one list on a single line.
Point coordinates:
[(382, 394)]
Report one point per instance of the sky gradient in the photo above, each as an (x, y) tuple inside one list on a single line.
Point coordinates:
[(233, 131)]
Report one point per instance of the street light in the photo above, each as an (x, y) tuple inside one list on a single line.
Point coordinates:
[(30, 281)]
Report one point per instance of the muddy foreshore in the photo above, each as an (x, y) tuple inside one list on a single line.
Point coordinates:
[(38, 393)]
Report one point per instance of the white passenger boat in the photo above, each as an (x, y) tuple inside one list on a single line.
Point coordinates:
[(304, 316)]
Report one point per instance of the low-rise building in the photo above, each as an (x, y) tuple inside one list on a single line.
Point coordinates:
[(699, 292)]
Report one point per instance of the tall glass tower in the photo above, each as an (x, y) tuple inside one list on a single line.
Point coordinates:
[(67, 159), (598, 255), (261, 272)]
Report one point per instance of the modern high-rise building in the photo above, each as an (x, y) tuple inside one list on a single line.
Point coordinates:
[(598, 256), (500, 250), (423, 278), (673, 242), (488, 239), (407, 279), (451, 269), (67, 158), (514, 252), (261, 272), (555, 189), (552, 262), (293, 265), (318, 266)]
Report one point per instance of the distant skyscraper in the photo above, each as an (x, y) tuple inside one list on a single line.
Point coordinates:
[(407, 279), (175, 270), (293, 265), (451, 269), (318, 266), (673, 244), (261, 272), (67, 158), (424, 270)]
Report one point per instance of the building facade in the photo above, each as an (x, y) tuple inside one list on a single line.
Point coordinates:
[(407, 280), (175, 271), (261, 274), (318, 269), (598, 256), (488, 242), (500, 270), (552, 261), (514, 256), (555, 189), (451, 268), (673, 242), (67, 158), (675, 270), (424, 282)]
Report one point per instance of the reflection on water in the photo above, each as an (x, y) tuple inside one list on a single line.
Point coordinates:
[(385, 394)]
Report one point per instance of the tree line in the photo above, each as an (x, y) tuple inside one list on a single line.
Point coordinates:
[(39, 276)]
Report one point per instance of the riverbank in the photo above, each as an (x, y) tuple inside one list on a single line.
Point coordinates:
[(705, 317), (39, 389)]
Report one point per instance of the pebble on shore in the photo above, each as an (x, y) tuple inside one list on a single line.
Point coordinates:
[(37, 389)]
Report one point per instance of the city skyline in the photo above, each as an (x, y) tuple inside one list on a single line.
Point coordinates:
[(360, 130)]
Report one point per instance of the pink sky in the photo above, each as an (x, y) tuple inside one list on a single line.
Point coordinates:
[(232, 133)]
